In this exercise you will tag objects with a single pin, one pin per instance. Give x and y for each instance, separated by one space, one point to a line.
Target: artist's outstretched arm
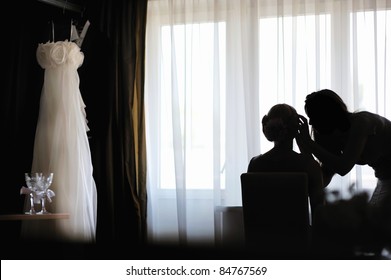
336 163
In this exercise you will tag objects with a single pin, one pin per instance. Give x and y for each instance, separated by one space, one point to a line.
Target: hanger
75 36
74 33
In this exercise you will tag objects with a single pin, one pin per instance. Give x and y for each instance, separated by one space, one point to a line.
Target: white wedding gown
61 146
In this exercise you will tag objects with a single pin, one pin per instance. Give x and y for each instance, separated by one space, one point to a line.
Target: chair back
276 212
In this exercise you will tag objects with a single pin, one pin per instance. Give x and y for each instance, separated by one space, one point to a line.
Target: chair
276 213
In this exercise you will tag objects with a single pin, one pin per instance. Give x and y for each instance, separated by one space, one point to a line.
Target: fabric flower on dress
43 55
75 56
52 54
58 53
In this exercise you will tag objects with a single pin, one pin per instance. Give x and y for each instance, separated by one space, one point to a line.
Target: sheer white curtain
214 68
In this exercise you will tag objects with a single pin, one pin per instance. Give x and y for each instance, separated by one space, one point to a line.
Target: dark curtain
123 151
21 82
112 86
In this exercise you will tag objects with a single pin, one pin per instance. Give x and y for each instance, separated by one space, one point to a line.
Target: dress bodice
54 54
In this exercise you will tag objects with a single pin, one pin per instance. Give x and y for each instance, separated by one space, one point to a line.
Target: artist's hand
304 131
303 137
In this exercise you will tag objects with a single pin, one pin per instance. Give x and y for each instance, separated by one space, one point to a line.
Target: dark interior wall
26 23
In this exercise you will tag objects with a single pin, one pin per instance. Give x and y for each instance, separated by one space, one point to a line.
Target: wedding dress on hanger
61 146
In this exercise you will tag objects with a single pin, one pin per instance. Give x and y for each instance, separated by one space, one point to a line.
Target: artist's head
326 111
281 123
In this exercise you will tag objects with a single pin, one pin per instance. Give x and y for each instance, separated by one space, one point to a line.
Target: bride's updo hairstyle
281 123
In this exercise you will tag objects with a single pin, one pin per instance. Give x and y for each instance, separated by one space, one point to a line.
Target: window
195 97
